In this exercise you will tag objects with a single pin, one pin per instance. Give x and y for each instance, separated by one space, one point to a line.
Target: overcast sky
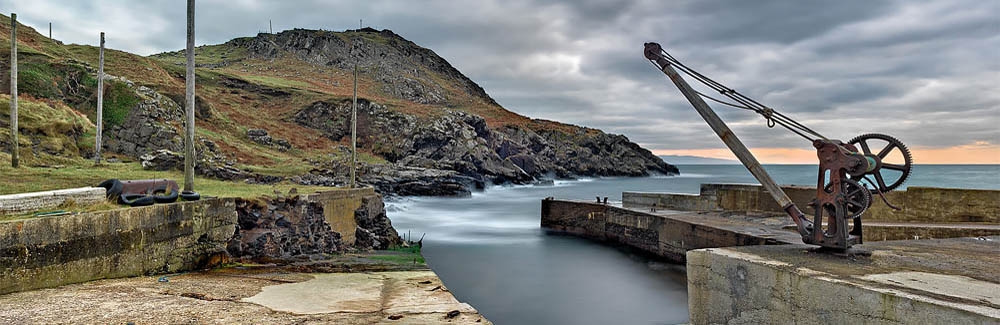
927 72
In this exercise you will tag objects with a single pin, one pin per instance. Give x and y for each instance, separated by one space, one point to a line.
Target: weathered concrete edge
34 201
828 291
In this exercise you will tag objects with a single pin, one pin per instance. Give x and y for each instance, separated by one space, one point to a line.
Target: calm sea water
489 251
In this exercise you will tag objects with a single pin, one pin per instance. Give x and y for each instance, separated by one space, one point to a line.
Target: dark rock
414 181
374 229
282 145
259 136
281 229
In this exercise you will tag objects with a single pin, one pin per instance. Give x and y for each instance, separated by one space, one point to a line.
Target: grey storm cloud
924 71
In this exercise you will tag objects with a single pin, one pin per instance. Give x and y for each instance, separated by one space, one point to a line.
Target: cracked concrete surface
231 296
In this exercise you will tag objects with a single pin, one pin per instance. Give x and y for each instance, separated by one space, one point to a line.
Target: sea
491 253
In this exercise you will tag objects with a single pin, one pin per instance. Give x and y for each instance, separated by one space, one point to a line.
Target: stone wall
163 238
35 201
920 204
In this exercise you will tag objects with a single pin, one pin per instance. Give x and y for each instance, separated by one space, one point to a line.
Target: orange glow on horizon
978 153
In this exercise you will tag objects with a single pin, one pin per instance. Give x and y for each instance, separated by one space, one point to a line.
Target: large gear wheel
857 197
889 173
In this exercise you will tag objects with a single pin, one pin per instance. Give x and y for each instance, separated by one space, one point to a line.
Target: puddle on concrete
391 292
325 293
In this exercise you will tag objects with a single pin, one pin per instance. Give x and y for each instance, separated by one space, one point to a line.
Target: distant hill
695 160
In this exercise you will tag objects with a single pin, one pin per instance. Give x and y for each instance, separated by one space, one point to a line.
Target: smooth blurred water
489 251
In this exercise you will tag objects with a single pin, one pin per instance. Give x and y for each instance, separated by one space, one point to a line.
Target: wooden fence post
189 157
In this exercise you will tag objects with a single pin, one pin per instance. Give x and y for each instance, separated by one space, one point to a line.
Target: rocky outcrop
463 143
147 127
261 137
290 228
162 159
402 68
374 229
415 181
282 228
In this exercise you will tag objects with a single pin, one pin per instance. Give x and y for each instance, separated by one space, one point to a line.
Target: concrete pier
668 225
746 264
947 281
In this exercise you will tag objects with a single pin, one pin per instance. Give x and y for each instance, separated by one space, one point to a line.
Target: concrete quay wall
53 251
919 204
902 282
668 238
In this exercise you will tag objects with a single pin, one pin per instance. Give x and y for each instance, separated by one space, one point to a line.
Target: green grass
78 172
401 255
118 102
38 80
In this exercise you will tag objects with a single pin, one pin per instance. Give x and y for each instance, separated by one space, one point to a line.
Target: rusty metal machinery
849 173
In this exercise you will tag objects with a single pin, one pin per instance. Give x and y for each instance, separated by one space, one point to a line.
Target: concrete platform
941 281
231 296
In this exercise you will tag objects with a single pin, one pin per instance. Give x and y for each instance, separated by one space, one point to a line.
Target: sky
925 72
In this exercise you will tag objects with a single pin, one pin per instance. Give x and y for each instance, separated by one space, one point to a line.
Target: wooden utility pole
100 103
354 124
13 91
189 103
50 31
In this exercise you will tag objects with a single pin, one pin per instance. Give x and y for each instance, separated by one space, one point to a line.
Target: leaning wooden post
189 103
13 91
100 103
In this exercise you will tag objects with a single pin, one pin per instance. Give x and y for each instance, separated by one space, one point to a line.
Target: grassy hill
269 82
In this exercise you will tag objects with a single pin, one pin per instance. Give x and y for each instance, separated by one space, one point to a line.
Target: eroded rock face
147 127
374 229
282 228
293 228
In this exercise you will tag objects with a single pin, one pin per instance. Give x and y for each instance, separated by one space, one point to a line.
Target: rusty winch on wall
849 172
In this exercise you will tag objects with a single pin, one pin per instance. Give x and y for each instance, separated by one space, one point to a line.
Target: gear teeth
907 157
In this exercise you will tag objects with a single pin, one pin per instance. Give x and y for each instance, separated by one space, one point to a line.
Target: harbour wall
666 237
52 251
918 204
667 225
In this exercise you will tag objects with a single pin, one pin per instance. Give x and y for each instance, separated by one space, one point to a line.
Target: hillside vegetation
274 108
